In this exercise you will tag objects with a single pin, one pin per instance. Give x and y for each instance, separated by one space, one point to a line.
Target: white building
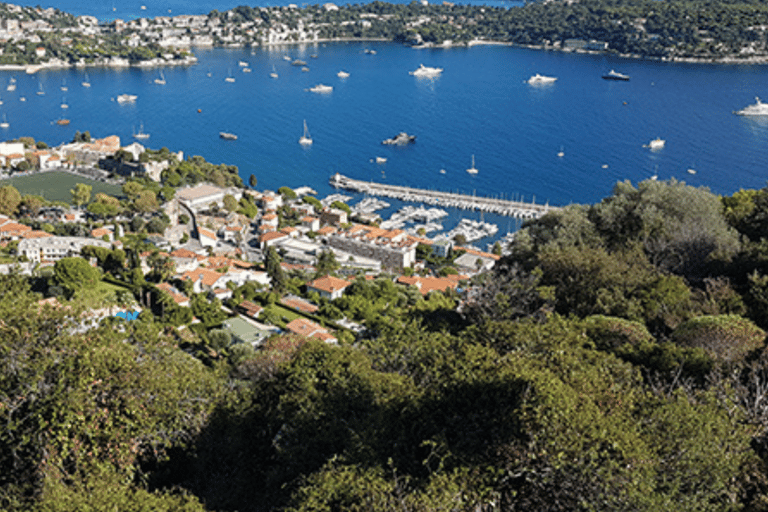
56 248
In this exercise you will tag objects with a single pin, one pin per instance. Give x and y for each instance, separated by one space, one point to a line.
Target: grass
281 312
55 186
101 295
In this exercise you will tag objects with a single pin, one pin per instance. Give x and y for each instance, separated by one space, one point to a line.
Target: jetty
516 209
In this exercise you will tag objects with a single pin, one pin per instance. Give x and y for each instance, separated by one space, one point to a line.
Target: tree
74 274
10 199
326 262
230 203
460 239
146 202
287 193
252 181
81 194
274 270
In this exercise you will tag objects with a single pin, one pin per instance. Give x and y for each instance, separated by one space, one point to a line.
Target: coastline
31 69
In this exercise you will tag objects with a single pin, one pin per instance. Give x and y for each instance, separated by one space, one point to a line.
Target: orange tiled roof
329 284
14 227
205 232
271 235
327 230
301 305
185 253
428 284
479 253
304 327
36 234
208 277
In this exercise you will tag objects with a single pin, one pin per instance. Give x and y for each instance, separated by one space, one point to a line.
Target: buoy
198 111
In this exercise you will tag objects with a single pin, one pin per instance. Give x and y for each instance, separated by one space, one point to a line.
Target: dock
516 209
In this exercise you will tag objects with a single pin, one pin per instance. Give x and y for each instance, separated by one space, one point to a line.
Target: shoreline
115 62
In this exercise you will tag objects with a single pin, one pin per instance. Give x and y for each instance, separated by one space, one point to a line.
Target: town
225 256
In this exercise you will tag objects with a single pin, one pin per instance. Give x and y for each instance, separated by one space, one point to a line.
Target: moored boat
538 79
426 71
400 139
227 136
127 98
615 75
758 109
657 143
342 74
320 88
306 139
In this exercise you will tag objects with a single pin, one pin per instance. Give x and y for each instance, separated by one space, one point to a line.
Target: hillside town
241 251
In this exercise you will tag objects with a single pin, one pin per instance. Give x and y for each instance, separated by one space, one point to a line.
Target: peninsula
695 31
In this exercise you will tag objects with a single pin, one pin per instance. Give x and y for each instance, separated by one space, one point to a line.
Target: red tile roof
329 284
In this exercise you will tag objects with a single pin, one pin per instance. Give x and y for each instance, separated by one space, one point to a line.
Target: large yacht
538 79
342 74
657 143
126 98
615 75
321 88
426 71
758 109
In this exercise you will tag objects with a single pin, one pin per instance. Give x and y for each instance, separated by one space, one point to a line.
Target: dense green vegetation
671 28
616 360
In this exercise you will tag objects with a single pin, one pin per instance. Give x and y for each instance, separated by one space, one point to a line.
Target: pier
516 209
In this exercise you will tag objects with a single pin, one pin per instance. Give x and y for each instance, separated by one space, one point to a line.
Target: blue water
480 106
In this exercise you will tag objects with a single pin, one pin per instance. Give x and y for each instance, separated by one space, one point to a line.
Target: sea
567 142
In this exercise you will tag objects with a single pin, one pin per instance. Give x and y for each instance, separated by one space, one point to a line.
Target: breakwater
516 209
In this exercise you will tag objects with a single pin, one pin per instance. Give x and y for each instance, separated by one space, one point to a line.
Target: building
393 248
57 247
203 195
429 284
328 287
333 216
310 329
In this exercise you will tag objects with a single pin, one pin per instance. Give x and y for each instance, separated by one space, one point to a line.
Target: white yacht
246 70
305 139
229 78
381 160
473 169
286 58
657 143
426 71
64 103
127 98
242 64
161 79
538 79
758 109
40 91
141 134
321 88
342 74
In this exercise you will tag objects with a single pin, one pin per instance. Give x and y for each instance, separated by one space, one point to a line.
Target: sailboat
40 91
64 85
273 74
305 139
64 103
230 78
161 80
141 134
11 84
86 82
5 123
472 170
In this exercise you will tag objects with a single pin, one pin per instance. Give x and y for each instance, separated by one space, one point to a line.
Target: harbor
516 209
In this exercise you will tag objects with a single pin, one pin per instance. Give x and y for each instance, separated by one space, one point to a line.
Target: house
333 217
311 223
299 304
56 247
328 287
310 329
250 309
475 261
441 248
271 238
103 232
203 195
12 231
207 238
270 219
178 297
429 284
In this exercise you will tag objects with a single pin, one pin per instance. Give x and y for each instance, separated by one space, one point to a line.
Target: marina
516 209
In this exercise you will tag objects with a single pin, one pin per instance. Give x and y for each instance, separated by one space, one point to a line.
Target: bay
481 105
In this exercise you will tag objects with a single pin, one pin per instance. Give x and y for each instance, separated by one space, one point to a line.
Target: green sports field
55 186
